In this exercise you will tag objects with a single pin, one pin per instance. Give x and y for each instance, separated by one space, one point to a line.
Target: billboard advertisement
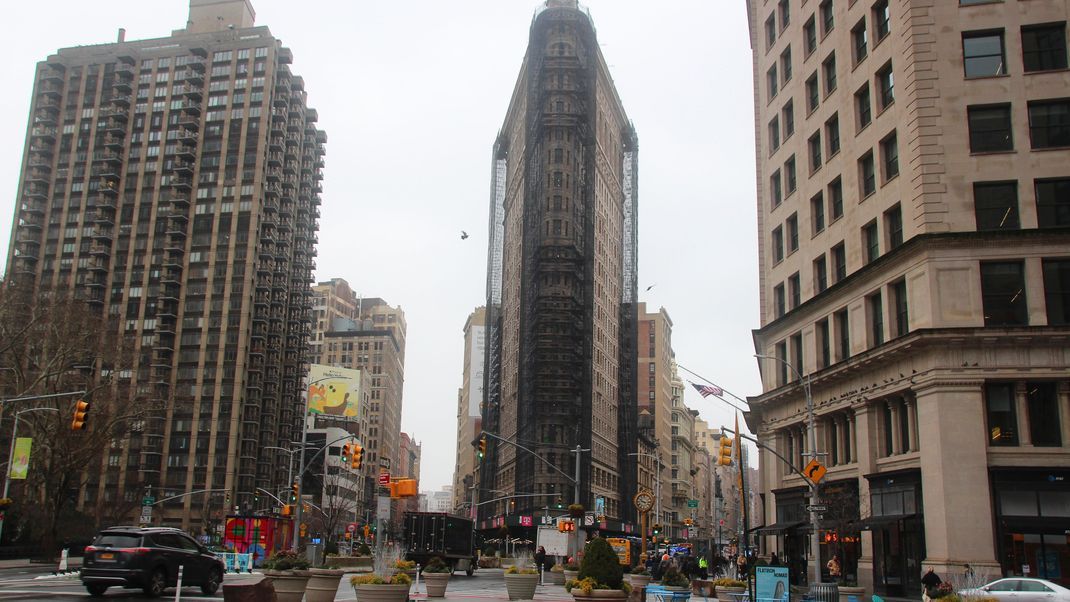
333 391
20 464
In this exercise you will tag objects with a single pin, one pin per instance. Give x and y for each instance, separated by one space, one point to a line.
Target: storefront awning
877 521
778 528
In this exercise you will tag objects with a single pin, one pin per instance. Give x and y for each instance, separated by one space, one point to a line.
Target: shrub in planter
640 569
289 574
364 550
728 582
674 578
285 560
521 578
436 576
600 563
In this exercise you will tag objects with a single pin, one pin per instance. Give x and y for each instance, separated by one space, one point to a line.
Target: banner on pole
333 391
20 463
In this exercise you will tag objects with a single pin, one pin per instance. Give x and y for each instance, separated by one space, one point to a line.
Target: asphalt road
22 584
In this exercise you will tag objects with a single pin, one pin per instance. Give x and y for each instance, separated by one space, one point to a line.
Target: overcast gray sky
412 93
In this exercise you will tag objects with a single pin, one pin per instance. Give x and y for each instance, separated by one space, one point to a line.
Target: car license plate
106 556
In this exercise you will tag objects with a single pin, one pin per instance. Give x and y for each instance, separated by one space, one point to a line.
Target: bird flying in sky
464 235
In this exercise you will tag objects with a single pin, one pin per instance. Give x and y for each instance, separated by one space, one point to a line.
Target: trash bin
314 553
825 592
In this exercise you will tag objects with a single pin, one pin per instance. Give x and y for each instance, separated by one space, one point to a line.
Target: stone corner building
913 180
561 283
174 184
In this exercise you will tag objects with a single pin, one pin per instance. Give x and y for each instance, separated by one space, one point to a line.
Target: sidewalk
21 563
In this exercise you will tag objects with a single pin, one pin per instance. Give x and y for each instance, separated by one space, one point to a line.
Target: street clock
644 501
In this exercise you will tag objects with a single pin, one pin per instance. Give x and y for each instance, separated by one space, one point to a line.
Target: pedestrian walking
930 581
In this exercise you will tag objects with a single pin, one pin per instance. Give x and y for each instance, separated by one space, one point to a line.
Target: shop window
1002 417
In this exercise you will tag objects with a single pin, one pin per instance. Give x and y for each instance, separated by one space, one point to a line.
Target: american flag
707 390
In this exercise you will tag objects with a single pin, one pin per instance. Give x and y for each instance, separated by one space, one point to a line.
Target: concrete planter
554 577
382 593
521 587
847 591
436 584
289 585
600 595
639 580
323 585
571 575
731 594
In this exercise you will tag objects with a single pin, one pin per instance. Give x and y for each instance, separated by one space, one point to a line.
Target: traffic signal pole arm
537 456
805 478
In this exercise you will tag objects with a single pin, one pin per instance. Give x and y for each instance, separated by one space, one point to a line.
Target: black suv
148 558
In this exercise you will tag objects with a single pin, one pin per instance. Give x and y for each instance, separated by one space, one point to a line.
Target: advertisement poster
20 466
771 583
333 391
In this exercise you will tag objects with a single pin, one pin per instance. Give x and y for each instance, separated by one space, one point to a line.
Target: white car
1020 589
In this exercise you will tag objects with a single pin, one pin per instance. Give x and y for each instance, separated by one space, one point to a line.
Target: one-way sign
813 508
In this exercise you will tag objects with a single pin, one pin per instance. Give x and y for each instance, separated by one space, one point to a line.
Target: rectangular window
794 290
821 280
1049 123
1044 47
810 36
902 314
1057 291
867 175
817 213
782 367
996 205
875 309
890 156
832 134
827 22
774 134
886 83
776 192
771 81
785 14
990 128
779 302
1003 293
860 41
790 180
778 244
982 54
893 227
839 262
843 338
796 353
882 18
836 199
1053 202
1002 416
1042 402
793 233
828 68
785 65
813 96
870 242
788 115
770 31
823 343
863 106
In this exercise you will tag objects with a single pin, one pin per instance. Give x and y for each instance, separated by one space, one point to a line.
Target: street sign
588 519
148 500
692 503
815 471
384 478
146 515
813 508
351 527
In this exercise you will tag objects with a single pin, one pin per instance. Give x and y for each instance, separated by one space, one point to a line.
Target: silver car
1020 589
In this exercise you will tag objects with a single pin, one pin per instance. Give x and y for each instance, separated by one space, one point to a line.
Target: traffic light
657 528
81 408
724 455
347 453
482 447
560 504
367 531
358 456
295 489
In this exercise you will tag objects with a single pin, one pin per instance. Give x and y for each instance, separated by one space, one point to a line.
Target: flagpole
736 397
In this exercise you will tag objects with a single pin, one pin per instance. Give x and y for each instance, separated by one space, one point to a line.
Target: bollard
178 586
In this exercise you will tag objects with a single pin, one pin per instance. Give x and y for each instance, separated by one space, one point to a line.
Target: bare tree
339 502
54 345
842 524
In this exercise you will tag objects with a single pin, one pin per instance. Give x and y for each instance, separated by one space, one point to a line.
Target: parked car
1020 589
148 558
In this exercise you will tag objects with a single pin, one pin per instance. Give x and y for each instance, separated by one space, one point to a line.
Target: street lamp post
290 464
815 489
11 453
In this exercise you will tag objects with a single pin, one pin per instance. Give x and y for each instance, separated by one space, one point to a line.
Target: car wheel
211 585
96 590
470 571
157 583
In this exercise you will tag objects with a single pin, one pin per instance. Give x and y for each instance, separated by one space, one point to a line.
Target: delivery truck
451 538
